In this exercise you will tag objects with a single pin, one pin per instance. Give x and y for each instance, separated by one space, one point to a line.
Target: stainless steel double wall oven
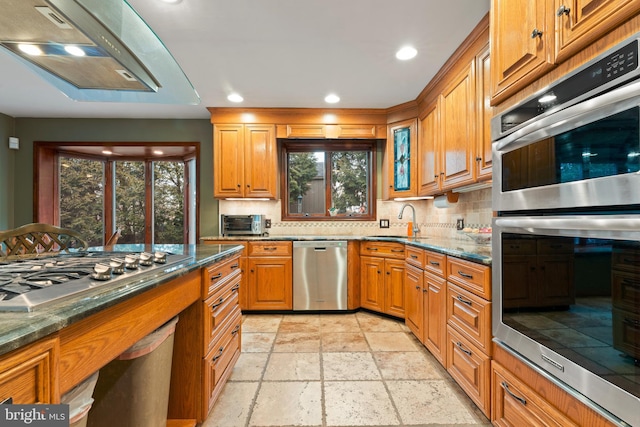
566 240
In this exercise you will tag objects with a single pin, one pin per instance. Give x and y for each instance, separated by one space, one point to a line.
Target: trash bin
133 390
80 400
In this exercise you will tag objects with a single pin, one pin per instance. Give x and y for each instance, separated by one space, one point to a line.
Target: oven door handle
623 227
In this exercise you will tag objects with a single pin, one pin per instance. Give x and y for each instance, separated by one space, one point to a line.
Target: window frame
301 145
46 179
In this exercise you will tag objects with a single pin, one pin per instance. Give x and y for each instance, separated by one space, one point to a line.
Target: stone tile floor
338 370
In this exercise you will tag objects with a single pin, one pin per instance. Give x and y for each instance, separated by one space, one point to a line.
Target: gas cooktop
27 284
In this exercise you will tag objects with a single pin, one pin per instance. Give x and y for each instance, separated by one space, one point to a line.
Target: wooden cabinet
468 313
522 44
529 37
382 272
458 130
539 272
625 292
242 261
221 345
425 299
402 159
515 404
245 161
454 144
30 375
270 280
581 22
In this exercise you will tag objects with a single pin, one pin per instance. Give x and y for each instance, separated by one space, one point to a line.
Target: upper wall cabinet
244 161
521 44
581 22
483 161
529 37
402 156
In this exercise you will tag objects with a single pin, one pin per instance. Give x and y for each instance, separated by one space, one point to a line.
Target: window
150 200
328 180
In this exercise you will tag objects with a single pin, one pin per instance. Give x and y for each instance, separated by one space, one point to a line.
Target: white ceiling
275 53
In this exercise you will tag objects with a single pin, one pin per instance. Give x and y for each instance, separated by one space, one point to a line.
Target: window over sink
328 180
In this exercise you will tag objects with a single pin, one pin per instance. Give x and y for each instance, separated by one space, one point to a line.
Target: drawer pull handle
556 246
436 263
514 246
466 276
414 256
397 250
273 248
235 330
216 277
217 356
510 393
632 322
629 261
372 249
563 10
464 301
220 301
462 349
236 287
234 266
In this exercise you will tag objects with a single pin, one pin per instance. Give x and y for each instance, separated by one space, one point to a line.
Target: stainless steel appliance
243 225
320 275
566 241
29 284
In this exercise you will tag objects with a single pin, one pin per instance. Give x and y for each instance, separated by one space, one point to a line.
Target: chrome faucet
416 229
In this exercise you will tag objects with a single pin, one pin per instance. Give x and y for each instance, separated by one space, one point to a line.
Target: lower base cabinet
471 369
514 404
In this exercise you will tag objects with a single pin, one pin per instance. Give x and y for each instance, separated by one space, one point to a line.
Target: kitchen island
47 352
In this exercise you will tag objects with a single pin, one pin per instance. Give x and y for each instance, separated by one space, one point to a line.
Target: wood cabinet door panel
518 58
483 158
458 130
372 283
394 288
413 281
260 159
29 375
520 272
581 22
407 159
429 151
228 160
270 283
435 315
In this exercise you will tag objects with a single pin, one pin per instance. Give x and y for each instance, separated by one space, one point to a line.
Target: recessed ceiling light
406 52
74 50
158 152
234 97
332 98
107 152
171 1
30 49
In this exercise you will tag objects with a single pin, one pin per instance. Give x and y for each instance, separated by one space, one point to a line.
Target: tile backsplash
473 207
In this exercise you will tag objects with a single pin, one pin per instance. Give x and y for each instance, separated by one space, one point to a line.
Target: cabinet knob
536 33
478 159
563 10
248 185
239 185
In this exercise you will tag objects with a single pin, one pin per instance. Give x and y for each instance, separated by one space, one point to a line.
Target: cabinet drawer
414 256
219 361
626 332
269 248
470 315
555 246
625 259
471 369
519 247
515 404
383 249
218 274
473 277
218 308
625 290
29 375
435 263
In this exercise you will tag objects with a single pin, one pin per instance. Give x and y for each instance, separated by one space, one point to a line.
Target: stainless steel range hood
121 58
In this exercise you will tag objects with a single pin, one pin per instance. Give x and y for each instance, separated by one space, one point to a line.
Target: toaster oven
243 225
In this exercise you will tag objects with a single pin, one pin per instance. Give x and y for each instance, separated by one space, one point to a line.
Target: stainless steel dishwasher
320 275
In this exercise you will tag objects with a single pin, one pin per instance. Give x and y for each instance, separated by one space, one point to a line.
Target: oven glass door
571 287
585 155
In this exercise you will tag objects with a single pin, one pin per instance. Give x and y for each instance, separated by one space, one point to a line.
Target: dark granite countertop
20 328
463 248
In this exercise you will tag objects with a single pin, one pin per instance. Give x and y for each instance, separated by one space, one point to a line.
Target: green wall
120 130
6 173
